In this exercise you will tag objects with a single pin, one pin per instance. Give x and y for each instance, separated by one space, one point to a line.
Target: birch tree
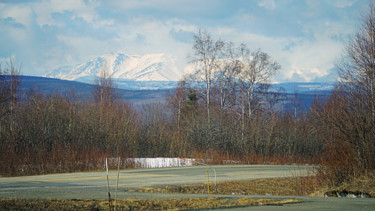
257 68
253 80
225 77
206 57
10 83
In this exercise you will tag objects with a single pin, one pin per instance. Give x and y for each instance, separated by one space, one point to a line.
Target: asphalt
93 185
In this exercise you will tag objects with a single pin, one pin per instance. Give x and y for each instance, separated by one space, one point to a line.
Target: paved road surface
93 185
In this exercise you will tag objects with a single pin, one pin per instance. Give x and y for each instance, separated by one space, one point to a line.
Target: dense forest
225 110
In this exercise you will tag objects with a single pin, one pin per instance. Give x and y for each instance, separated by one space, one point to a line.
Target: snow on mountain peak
149 67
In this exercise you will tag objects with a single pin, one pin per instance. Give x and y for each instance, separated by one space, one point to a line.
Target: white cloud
43 13
139 36
20 14
78 8
308 58
268 4
313 3
170 6
343 3
15 20
312 58
157 38
88 28
181 25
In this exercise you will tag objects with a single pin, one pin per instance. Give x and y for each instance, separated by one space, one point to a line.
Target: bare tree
177 102
256 72
356 71
357 66
206 59
9 87
225 76
104 90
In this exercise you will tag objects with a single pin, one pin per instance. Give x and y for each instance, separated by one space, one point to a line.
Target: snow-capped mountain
150 67
150 71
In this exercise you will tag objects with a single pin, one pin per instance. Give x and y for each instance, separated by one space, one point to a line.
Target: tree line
223 110
42 133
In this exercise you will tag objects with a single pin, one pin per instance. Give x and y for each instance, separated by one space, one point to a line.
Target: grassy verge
363 183
137 204
294 186
304 186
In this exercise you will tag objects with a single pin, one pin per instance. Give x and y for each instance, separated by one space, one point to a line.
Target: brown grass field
290 186
137 204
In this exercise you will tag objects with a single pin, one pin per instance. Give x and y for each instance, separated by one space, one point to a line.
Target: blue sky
305 36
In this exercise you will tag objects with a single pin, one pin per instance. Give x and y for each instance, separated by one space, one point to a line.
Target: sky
306 37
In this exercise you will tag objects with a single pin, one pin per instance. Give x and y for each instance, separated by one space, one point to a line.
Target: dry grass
294 186
137 204
364 184
279 186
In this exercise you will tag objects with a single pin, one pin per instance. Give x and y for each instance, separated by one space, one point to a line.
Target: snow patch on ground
160 162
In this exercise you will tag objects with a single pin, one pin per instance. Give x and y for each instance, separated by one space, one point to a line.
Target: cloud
268 4
86 10
181 35
313 3
310 59
305 58
343 3
305 37
191 7
143 35
12 22
17 14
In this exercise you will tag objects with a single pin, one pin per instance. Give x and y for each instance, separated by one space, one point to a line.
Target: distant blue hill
50 86
137 95
305 87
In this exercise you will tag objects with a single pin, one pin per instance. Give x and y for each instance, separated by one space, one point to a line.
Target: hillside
306 92
50 86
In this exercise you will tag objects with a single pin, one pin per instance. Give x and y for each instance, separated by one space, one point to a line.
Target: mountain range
149 72
123 69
